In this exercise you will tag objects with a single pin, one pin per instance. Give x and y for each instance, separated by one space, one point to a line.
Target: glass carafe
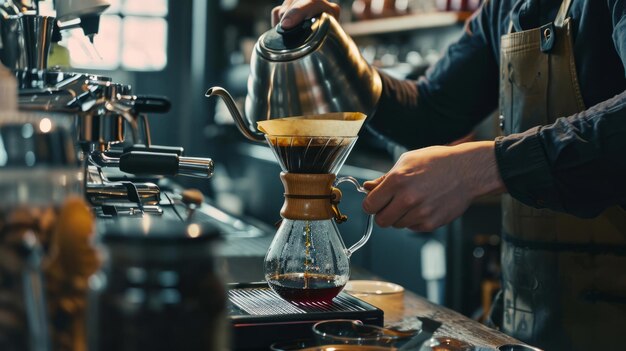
308 261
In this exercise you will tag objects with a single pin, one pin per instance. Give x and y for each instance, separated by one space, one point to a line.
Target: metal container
158 288
313 68
26 40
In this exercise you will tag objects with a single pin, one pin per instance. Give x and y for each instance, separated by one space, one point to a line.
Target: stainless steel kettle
313 68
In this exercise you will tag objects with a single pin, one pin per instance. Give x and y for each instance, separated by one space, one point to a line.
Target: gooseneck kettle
313 68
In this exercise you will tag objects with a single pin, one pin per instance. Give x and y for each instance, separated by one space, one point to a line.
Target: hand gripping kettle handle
370 218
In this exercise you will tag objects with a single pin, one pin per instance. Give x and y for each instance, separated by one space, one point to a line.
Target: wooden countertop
401 310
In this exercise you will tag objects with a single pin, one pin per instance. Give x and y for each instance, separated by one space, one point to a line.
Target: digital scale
259 317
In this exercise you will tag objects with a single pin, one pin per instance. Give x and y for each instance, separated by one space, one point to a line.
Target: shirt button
501 120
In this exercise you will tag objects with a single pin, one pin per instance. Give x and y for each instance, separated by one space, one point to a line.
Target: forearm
406 117
479 166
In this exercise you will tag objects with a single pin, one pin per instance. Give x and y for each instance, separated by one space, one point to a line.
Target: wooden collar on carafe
310 197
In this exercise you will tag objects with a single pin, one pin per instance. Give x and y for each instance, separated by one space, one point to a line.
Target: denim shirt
581 159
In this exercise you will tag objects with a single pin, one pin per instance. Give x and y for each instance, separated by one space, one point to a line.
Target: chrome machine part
195 167
116 192
88 11
26 40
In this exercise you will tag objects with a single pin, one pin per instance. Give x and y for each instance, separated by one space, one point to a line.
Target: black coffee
305 287
314 159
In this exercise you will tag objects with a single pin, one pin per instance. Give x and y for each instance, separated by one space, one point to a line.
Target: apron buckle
548 37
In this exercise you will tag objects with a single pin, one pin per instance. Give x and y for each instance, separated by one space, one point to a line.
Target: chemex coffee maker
307 260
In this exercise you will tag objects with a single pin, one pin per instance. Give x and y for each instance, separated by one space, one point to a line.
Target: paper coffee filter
338 124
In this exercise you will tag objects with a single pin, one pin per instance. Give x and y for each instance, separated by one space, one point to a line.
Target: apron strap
558 21
562 14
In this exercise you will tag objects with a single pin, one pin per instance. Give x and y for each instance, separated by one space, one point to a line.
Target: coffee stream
307 252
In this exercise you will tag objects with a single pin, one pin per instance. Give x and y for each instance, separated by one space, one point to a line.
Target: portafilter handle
141 162
148 103
178 150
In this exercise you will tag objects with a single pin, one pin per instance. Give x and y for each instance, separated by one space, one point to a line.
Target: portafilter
314 68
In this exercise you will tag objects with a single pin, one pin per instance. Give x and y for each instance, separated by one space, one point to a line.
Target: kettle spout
234 112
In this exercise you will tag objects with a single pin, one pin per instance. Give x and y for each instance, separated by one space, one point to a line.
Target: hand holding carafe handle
370 218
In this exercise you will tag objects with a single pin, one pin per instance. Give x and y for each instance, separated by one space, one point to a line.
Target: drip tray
259 317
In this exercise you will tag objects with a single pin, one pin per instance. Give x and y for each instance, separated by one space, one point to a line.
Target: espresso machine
107 113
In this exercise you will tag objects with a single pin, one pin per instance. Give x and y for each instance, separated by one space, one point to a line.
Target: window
132 36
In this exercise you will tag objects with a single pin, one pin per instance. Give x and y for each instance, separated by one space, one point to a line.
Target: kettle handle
370 218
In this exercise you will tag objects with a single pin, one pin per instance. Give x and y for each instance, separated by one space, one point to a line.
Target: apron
564 278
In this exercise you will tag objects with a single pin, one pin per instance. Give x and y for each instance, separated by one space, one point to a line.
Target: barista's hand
292 12
430 187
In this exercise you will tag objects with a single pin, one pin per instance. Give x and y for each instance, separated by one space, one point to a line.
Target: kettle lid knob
280 44
292 37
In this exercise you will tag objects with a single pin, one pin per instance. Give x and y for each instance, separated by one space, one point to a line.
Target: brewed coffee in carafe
308 261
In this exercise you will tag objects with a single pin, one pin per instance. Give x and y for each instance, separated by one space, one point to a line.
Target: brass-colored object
339 124
71 262
334 200
307 196
311 197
